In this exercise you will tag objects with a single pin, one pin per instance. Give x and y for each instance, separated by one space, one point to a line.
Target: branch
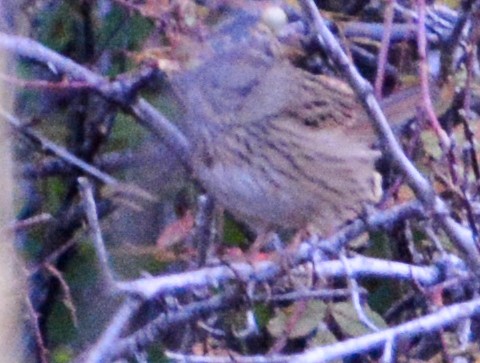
266 271
430 323
101 350
90 208
115 91
69 158
461 236
164 323
57 150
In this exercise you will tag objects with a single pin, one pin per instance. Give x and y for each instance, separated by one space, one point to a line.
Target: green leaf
306 322
322 337
347 319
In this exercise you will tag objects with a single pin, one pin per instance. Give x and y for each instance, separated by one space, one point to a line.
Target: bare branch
112 333
145 113
461 236
92 217
382 57
57 150
443 318
165 322
267 270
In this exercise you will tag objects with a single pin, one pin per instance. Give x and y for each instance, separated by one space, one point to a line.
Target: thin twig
73 160
424 80
164 323
57 150
442 318
204 233
355 294
95 232
461 236
317 294
389 350
382 57
68 299
145 113
42 349
101 350
28 223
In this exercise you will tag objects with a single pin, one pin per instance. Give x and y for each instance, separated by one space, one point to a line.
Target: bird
276 145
